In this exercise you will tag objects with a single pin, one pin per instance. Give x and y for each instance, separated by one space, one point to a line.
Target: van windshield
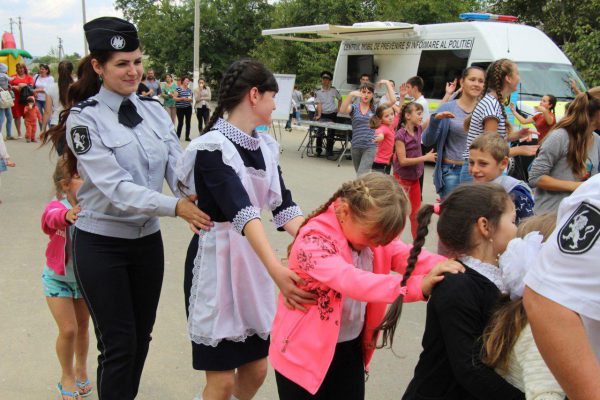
539 79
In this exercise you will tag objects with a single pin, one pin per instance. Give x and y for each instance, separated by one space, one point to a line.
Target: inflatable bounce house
10 55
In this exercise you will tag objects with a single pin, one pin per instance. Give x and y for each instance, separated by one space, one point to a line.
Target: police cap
111 34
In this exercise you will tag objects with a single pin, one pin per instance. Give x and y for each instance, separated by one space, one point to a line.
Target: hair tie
436 208
589 97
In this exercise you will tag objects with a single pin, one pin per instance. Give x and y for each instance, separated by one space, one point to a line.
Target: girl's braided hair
238 80
458 214
495 76
376 201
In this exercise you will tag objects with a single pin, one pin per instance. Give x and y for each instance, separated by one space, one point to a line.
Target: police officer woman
124 147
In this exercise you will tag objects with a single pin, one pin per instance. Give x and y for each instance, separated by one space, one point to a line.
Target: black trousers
121 281
383 168
345 378
332 117
202 114
184 112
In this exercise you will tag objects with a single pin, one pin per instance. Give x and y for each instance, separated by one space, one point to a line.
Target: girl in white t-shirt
41 82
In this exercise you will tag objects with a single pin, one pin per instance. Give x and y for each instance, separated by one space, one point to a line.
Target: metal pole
21 33
196 41
60 49
85 44
11 26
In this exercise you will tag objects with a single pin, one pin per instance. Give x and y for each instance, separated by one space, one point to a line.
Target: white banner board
283 100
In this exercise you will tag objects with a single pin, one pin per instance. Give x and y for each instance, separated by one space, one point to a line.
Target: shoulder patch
581 231
83 104
146 98
80 135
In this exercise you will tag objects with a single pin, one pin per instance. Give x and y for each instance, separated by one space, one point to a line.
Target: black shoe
331 157
187 139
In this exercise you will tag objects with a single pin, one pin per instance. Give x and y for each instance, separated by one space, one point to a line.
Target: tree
229 30
571 24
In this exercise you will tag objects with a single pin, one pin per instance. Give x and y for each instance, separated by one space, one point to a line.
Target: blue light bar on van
487 17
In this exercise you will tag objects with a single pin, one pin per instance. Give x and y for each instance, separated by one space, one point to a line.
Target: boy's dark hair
459 213
491 143
367 75
416 81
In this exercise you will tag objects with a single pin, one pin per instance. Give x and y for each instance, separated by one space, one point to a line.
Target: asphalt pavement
29 369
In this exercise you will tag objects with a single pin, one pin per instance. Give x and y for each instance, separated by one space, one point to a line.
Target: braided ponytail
238 80
390 320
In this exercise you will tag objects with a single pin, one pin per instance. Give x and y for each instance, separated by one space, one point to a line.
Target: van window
437 67
539 79
358 65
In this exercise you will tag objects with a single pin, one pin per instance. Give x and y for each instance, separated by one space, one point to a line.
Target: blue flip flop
74 395
82 385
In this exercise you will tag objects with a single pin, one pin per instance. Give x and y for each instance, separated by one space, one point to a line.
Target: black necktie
128 115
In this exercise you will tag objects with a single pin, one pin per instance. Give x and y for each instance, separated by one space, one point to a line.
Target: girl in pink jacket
62 292
344 253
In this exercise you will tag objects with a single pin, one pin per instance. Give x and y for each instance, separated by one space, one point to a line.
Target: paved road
28 366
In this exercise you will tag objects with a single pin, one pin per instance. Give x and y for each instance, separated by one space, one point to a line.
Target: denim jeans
6 112
451 178
41 105
363 159
464 173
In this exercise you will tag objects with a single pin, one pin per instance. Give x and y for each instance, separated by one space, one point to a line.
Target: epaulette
146 98
83 104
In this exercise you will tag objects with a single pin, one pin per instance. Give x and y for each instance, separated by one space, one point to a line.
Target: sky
43 21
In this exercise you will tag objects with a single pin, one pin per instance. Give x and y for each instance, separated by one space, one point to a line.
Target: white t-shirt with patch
568 271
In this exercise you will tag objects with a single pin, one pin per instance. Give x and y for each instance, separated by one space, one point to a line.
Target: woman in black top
476 223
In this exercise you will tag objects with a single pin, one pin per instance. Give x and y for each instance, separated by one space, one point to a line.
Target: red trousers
413 190
30 129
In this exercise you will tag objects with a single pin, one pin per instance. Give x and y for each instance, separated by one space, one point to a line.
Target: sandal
85 388
73 395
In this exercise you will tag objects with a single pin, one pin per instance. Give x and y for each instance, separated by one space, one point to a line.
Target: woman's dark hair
371 88
45 66
407 109
88 84
238 80
65 79
459 213
552 101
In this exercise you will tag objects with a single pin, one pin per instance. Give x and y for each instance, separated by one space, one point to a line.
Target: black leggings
202 114
345 378
184 112
120 280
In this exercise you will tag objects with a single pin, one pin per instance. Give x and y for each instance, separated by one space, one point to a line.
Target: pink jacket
55 226
303 344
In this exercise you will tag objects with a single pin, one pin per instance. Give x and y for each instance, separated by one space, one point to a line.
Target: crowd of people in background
510 232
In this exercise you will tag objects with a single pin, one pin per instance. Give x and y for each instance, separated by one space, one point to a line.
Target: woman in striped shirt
183 104
502 78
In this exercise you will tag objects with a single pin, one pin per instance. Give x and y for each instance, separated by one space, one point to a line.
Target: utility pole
85 44
61 51
21 33
12 21
196 42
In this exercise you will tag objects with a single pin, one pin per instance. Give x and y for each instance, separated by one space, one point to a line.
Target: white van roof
502 40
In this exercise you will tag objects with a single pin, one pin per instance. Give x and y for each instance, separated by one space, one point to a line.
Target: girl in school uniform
476 222
230 269
409 162
344 253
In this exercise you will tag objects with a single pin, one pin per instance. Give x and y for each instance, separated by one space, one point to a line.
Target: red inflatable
8 41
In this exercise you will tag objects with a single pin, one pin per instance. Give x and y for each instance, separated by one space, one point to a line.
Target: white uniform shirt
568 271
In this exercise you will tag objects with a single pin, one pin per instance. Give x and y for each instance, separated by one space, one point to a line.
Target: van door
437 67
